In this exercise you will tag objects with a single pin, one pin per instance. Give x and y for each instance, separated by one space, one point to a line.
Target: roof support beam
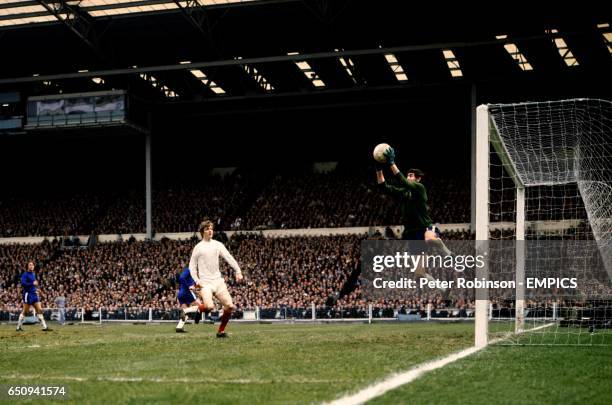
268 59
195 12
197 15
326 11
76 20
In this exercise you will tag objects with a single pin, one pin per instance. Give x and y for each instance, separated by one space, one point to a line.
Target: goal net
544 206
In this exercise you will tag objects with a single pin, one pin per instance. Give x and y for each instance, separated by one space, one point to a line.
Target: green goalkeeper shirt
412 197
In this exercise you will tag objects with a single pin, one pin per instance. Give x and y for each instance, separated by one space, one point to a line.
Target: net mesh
560 153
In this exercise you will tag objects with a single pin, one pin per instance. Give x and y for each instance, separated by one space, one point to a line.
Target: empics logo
551 282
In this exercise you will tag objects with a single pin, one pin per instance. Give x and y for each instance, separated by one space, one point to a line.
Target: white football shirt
204 263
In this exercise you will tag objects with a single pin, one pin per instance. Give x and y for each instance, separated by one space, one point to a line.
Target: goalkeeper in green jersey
412 197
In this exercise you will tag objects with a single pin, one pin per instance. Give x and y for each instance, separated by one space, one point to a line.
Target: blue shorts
30 298
186 297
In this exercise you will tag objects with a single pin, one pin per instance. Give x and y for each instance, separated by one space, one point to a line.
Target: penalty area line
170 380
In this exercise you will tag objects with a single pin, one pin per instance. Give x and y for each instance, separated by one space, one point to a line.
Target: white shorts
219 289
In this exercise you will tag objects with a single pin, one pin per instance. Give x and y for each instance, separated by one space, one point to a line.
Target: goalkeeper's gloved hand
379 166
390 154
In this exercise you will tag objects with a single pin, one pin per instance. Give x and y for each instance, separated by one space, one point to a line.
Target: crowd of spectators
320 200
110 275
44 215
285 272
239 201
125 214
280 272
225 198
292 272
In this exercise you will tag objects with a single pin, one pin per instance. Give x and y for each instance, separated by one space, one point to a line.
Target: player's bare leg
40 316
181 324
421 273
185 310
22 315
432 239
206 296
203 309
194 310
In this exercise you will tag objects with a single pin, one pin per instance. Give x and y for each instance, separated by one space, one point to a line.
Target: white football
379 152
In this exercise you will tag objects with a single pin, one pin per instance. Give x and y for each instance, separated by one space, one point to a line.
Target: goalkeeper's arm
380 177
390 154
414 186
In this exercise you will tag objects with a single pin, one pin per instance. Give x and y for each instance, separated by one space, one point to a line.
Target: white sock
180 324
190 310
42 321
20 321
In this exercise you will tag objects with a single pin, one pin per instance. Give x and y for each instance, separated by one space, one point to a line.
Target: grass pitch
294 363
515 375
257 364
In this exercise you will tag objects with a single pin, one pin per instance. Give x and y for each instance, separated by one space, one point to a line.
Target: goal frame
488 140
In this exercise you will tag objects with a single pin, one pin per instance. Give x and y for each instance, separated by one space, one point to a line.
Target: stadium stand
282 272
342 198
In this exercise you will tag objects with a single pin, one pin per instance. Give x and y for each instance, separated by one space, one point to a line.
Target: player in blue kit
188 299
30 298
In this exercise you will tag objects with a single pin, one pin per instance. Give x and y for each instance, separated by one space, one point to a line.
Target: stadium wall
397 229
542 226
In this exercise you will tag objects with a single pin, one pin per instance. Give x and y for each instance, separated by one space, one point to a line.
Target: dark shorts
186 297
30 298
416 239
420 235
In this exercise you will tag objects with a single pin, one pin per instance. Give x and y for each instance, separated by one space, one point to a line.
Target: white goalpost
544 212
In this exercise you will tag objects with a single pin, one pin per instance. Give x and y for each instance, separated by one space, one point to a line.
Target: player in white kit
204 267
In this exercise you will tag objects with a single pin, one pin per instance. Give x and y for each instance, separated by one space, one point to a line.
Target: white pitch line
396 380
39 377
170 380
538 328
399 379
508 335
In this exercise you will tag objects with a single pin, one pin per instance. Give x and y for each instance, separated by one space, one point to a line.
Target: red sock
225 319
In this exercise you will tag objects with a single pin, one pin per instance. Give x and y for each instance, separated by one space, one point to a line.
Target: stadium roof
22 12
198 51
